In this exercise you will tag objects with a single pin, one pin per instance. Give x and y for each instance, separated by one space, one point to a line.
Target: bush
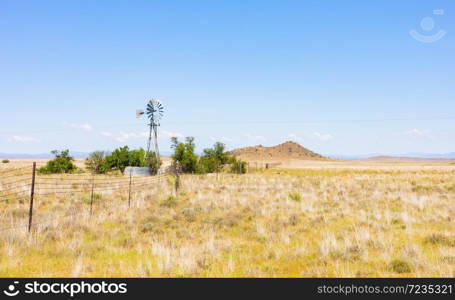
96 162
295 197
123 157
62 163
214 158
400 266
153 162
239 166
5 161
100 162
184 157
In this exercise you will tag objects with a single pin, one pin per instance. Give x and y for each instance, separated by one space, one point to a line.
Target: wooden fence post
177 178
32 195
91 197
129 191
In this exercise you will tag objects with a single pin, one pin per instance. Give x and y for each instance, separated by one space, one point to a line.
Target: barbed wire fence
24 184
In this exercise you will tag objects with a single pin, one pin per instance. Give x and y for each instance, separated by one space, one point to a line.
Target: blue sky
341 77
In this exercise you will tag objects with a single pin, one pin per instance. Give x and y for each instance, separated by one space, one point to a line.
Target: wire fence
22 185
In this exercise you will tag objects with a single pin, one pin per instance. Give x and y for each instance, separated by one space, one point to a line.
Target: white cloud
255 137
223 138
24 139
294 137
125 136
170 134
417 133
323 137
85 127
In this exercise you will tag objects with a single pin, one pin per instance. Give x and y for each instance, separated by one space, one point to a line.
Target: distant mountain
287 150
450 155
74 154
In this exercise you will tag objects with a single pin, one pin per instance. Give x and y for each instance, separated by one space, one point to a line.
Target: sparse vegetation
5 161
239 166
400 266
213 160
184 155
123 157
96 162
295 197
330 220
101 162
153 162
62 163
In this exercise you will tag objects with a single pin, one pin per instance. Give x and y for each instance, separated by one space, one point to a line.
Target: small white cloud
223 138
124 136
106 133
85 127
24 139
255 137
170 134
294 136
418 133
323 137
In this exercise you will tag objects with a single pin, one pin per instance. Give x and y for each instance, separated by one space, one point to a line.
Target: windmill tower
154 112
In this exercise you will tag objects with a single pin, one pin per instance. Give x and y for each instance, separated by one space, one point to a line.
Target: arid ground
299 219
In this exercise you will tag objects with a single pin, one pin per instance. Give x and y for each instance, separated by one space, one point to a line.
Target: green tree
239 166
153 162
123 157
96 162
118 159
62 163
214 158
184 154
137 158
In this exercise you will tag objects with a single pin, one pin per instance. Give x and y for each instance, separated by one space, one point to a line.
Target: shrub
214 158
169 202
239 166
123 157
440 239
96 162
62 163
295 197
400 266
184 156
153 162
5 161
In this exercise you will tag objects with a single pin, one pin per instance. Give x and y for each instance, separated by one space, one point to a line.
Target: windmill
154 112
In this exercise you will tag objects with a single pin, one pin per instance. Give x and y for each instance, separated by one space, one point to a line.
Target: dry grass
327 220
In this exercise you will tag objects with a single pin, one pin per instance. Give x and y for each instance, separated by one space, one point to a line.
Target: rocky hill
287 150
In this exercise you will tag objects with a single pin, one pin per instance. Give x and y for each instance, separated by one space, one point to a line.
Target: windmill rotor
155 110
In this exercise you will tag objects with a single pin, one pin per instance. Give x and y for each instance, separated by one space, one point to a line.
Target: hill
287 150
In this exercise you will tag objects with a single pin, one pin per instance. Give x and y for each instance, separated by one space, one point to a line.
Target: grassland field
302 219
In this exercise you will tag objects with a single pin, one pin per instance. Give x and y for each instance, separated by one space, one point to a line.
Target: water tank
137 171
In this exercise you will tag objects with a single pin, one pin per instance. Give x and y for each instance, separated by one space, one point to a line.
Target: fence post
177 179
129 191
91 197
32 195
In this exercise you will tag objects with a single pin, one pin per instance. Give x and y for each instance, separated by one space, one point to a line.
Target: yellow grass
324 219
